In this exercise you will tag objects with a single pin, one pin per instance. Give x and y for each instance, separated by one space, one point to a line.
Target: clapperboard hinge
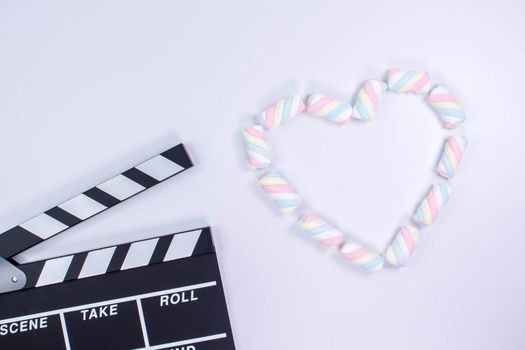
91 202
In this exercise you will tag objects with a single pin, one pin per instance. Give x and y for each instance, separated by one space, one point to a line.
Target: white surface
96 262
43 225
54 271
120 187
82 206
87 89
139 254
182 245
159 167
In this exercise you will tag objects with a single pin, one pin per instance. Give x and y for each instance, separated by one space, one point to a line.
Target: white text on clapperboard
176 298
99 312
94 313
23 326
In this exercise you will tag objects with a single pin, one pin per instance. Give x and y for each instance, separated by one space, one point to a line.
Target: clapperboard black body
160 293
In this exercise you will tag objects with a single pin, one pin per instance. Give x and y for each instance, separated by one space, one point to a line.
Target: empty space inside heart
365 178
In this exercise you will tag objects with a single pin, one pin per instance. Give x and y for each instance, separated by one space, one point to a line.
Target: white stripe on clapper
159 167
139 254
54 271
44 226
82 206
97 262
121 187
182 245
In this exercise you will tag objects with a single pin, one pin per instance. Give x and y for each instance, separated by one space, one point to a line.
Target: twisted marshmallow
326 107
256 146
451 156
361 257
402 246
282 111
367 102
408 81
319 229
446 106
431 205
280 191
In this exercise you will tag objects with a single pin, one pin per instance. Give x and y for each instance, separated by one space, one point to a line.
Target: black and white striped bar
118 258
95 200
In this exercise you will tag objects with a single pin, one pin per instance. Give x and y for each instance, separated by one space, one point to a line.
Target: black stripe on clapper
204 244
63 216
32 272
141 178
76 266
16 240
102 197
178 155
161 249
118 258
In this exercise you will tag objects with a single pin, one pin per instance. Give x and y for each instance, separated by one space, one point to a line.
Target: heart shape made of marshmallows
286 198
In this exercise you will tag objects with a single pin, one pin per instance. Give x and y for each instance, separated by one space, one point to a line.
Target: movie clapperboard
162 293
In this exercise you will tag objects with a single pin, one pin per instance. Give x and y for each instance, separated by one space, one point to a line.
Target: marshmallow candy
408 81
446 106
451 156
326 107
280 191
361 257
256 147
402 246
320 230
367 102
429 208
282 111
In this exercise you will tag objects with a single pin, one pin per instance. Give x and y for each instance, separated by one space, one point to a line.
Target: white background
88 89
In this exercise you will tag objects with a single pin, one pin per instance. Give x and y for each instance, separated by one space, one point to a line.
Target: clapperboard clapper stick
160 293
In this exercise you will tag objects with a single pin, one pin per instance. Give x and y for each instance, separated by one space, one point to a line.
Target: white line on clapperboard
143 323
113 301
64 330
186 342
137 298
